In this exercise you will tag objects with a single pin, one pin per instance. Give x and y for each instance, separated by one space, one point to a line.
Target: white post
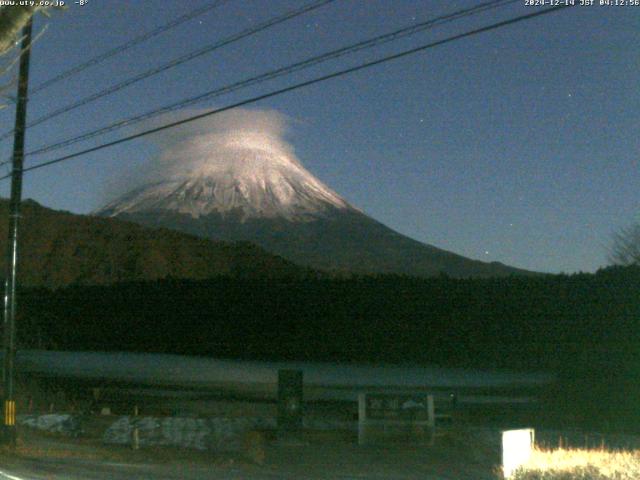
362 417
431 411
135 441
431 415
517 446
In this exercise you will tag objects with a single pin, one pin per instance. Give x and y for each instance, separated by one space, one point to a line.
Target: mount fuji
238 179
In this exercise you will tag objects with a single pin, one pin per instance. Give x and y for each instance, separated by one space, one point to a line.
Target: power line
299 86
376 41
127 45
177 61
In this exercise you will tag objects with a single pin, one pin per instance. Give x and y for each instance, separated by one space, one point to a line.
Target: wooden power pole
9 319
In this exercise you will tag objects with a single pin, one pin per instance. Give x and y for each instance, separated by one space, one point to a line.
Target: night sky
519 145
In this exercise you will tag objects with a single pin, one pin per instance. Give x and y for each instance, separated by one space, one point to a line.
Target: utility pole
9 319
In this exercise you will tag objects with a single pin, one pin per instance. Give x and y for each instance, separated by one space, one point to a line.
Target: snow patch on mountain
240 164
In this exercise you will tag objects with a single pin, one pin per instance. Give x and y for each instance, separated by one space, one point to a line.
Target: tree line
583 327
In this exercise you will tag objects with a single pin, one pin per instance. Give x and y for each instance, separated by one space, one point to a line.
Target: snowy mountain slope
240 180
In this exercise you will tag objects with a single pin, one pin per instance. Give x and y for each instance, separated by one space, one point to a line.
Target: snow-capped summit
252 174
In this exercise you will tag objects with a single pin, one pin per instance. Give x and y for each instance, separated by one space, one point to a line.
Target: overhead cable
175 62
279 72
127 45
300 85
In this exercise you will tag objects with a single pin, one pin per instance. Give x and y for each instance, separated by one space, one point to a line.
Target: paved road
332 458
349 468
83 470
48 470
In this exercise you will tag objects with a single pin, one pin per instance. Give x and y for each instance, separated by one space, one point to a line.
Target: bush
577 473
575 464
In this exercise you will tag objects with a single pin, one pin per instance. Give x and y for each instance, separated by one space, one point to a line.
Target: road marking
10 477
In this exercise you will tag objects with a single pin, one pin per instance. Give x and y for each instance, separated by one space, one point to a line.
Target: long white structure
322 381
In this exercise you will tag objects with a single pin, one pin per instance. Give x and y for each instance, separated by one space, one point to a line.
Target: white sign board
517 446
398 412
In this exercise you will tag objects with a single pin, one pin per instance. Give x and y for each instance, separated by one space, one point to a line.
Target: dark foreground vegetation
584 327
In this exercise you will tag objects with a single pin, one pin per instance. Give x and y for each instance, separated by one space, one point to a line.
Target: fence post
135 441
362 418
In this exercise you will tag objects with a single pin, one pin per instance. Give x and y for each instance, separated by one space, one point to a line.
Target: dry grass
575 464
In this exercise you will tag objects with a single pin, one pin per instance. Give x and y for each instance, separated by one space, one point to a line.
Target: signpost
389 415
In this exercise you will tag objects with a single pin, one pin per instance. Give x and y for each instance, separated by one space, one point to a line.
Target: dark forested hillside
502 322
584 327
60 248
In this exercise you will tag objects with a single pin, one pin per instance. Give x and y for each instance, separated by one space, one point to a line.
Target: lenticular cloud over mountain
235 177
238 163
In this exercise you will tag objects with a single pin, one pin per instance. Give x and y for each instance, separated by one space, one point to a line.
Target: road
66 470
284 463
323 456
87 470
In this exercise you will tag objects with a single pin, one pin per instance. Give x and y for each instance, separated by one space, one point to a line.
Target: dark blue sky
518 145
